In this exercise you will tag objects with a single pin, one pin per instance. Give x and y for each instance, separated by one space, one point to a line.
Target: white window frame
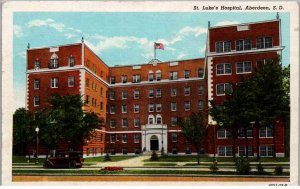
110 110
187 105
150 76
223 69
151 93
112 80
174 117
200 107
112 97
158 75
263 42
158 107
134 122
37 64
54 82
267 150
112 125
124 138
187 74
137 138
36 84
70 80
123 121
241 130
151 107
224 86
124 108
226 151
222 46
227 134
173 106
244 151
243 67
124 78
54 61
36 101
136 108
173 75
266 129
173 90
187 91
157 118
136 94
124 95
158 93
112 138
136 78
71 60
174 137
200 72
200 88
243 44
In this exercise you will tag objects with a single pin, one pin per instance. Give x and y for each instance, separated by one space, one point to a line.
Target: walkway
132 162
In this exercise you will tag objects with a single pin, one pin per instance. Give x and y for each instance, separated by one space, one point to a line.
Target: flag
159 46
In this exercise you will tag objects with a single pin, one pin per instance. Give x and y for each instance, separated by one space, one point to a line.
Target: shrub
214 167
242 166
278 170
260 169
107 157
154 156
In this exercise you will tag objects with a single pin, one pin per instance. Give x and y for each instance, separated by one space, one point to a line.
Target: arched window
158 75
150 75
151 119
54 61
158 119
71 61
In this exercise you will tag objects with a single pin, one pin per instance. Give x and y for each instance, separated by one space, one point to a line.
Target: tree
22 131
194 130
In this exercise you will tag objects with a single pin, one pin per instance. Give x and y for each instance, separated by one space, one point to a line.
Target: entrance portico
154 137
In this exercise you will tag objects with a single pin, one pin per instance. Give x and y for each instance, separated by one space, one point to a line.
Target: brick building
142 103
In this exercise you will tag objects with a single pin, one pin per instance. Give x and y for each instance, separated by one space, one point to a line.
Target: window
112 95
101 91
173 106
200 72
264 42
54 61
124 122
158 93
136 78
112 80
112 109
136 108
87 63
173 92
151 107
265 132
124 78
71 61
242 151
87 101
124 108
187 74
158 119
113 123
136 122
36 101
174 150
124 95
136 94
174 137
173 75
36 84
188 150
200 90
158 107
223 46
150 120
87 83
150 76
151 93
112 138
124 138
224 150
187 105
37 64
242 45
54 82
71 81
223 69
261 63
136 138
158 75
265 151
187 91
249 131
101 105
200 105
87 152
243 67
224 88
223 133
173 121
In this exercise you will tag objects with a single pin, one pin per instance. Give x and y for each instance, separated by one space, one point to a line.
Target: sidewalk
132 162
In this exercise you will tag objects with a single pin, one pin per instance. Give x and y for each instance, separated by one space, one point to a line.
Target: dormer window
37 64
71 61
54 61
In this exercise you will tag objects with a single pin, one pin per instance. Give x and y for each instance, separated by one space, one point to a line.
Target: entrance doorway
153 143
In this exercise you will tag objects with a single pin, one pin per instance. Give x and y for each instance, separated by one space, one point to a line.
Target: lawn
101 159
193 158
23 159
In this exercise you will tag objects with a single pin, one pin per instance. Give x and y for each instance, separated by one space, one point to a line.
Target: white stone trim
173 131
275 48
279 154
27 92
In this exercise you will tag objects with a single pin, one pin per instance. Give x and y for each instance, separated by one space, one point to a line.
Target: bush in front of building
242 166
107 157
154 156
214 167
260 169
278 170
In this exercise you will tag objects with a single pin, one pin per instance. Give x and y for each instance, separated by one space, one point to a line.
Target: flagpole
154 51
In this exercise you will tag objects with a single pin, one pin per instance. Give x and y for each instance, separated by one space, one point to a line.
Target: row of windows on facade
264 132
173 75
241 67
244 44
264 151
54 62
136 121
94 152
151 107
136 138
54 82
158 93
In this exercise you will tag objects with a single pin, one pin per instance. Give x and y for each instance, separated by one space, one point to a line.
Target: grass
160 164
23 159
192 158
137 172
101 159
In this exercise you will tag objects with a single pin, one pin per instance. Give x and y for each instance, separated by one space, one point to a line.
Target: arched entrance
153 143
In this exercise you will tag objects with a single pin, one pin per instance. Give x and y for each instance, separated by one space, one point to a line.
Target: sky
124 38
